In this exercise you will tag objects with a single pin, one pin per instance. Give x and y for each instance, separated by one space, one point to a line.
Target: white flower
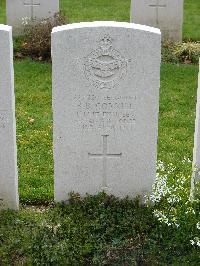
198 225
196 242
160 166
26 21
190 211
186 160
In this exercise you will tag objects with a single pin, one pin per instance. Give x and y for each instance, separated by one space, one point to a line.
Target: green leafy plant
37 37
186 53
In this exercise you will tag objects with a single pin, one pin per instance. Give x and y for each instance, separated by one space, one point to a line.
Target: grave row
166 15
106 78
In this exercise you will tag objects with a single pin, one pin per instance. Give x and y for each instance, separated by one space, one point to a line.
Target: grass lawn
34 131
119 10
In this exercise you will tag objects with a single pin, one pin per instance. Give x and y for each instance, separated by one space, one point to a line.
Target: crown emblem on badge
106 42
105 66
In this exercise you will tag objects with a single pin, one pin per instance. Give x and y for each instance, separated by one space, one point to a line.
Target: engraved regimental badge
105 66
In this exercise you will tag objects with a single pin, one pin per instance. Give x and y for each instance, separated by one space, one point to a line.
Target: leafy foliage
37 40
97 230
187 53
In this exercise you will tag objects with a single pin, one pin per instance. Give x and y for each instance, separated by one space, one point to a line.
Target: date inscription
97 112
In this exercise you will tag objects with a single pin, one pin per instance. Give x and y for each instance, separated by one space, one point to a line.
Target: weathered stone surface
166 15
106 78
196 150
21 11
8 157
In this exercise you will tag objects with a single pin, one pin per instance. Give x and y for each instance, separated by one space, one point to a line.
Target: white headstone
8 154
166 15
106 78
196 150
19 11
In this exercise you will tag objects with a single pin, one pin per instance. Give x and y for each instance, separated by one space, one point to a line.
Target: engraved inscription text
104 112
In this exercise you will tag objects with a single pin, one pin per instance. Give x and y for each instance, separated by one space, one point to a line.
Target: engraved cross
105 155
157 6
32 4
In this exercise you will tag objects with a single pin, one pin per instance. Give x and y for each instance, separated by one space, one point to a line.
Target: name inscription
104 112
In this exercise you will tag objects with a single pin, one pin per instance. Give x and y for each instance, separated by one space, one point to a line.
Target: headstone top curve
167 15
5 27
105 24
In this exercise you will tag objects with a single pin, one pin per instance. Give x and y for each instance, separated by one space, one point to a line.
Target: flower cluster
172 203
164 219
26 21
198 225
163 188
195 242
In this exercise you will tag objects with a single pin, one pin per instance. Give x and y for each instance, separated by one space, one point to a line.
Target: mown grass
34 130
177 112
191 29
119 10
94 10
3 12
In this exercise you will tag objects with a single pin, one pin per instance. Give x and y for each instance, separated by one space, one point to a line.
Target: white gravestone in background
196 150
166 15
31 10
106 78
8 154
